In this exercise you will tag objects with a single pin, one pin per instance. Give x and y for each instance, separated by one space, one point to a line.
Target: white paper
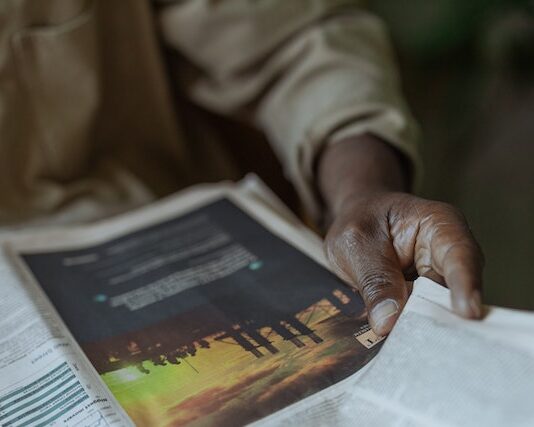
435 369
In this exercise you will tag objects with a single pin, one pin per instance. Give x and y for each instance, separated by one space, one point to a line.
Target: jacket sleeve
306 72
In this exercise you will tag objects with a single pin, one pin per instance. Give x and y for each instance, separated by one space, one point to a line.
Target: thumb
365 257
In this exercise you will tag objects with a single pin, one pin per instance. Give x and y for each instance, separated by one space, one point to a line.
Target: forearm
358 166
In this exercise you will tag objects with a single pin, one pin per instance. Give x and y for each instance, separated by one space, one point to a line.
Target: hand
381 236
378 241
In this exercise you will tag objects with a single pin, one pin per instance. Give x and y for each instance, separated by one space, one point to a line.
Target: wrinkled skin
381 236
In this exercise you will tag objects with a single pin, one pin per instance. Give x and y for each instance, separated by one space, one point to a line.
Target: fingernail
382 314
469 307
475 302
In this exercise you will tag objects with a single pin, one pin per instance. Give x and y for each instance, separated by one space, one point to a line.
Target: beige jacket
92 94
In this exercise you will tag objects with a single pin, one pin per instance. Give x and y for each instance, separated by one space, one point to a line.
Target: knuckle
444 221
373 284
330 247
357 233
447 210
345 241
335 257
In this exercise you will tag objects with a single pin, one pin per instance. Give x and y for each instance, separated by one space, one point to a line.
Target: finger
366 256
457 257
462 270
435 277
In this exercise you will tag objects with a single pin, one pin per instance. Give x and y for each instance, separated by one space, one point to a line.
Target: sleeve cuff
393 126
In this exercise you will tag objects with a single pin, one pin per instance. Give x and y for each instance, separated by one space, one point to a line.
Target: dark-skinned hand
381 236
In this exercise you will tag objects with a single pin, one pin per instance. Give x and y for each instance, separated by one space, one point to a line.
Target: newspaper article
202 315
44 380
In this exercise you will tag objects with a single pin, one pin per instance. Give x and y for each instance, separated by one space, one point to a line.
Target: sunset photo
229 378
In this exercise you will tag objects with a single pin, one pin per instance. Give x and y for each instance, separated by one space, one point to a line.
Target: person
94 119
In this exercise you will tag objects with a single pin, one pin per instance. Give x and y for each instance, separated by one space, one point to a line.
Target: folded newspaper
215 307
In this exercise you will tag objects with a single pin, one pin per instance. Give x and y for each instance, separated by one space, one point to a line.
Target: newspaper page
435 369
44 379
203 309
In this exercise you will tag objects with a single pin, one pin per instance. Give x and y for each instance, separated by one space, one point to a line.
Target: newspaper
216 307
435 369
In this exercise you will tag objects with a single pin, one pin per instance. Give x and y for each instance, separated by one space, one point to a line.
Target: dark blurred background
468 72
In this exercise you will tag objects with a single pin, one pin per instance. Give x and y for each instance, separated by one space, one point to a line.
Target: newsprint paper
215 307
